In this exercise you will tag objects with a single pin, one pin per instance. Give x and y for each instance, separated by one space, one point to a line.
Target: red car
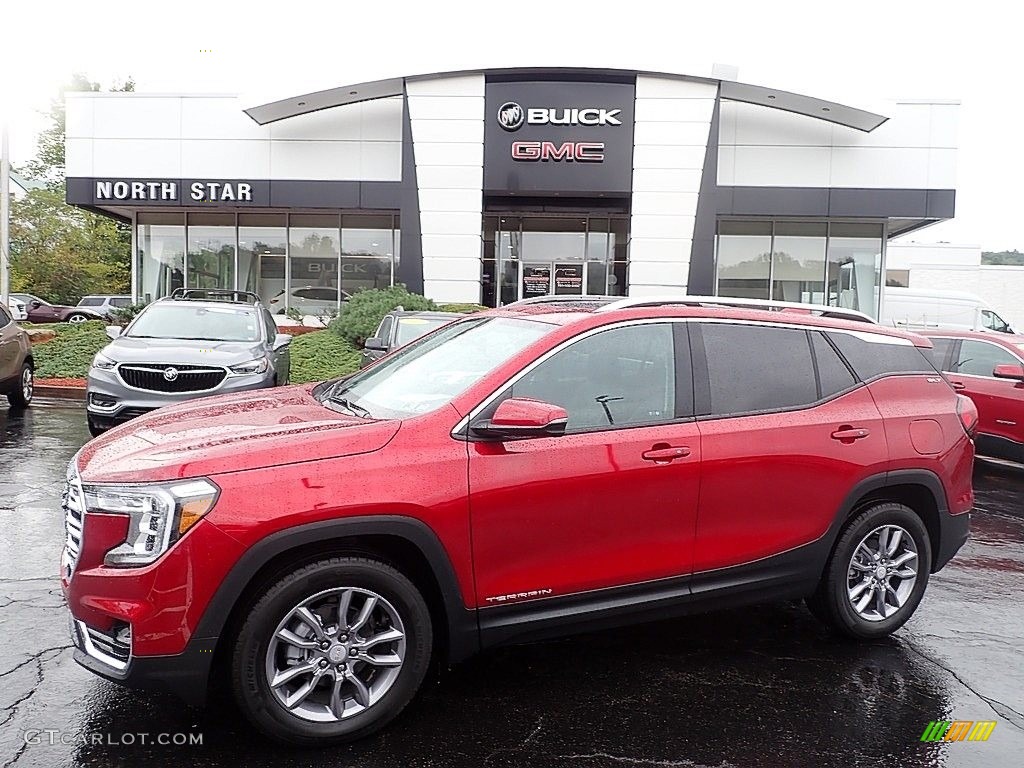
521 473
989 369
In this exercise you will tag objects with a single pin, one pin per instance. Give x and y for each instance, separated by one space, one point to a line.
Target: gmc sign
570 151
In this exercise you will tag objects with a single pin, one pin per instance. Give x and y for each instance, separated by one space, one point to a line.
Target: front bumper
110 401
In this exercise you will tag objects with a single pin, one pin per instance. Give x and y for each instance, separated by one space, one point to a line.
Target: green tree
58 251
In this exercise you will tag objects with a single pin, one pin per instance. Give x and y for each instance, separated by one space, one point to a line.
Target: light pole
5 217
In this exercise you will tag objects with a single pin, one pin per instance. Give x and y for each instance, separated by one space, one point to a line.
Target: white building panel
661 156
658 273
78 117
449 111
220 159
671 225
691 134
137 117
665 203
78 157
782 166
756 125
902 168
380 161
663 250
218 117
338 160
138 158
675 110
381 119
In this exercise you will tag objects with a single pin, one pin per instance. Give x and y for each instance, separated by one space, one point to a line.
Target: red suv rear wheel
877 574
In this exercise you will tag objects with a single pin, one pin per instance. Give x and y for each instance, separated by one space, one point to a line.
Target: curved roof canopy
840 114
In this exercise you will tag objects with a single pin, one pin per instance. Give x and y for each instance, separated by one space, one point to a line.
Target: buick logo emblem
511 116
170 374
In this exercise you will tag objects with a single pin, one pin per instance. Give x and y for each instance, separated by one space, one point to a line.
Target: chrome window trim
465 421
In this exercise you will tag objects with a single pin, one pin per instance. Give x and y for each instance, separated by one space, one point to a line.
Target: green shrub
465 309
70 352
124 315
361 314
322 355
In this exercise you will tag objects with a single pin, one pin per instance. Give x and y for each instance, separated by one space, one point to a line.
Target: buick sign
511 116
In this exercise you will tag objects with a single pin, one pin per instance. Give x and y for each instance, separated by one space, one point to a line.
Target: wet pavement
756 687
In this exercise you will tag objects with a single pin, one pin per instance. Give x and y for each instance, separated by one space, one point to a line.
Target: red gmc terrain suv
521 473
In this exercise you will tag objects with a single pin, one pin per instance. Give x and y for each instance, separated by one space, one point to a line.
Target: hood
230 433
127 349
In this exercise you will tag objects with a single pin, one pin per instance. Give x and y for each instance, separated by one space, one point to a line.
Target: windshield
180 321
424 376
411 328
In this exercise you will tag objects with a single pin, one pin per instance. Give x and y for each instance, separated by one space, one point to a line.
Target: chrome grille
160 377
73 506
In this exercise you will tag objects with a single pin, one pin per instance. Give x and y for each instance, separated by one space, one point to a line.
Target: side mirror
1009 371
113 331
282 340
375 344
520 417
34 304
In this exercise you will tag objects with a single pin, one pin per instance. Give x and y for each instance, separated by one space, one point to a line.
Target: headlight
103 362
259 365
158 515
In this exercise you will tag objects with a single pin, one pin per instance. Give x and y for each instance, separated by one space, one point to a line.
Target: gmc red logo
570 151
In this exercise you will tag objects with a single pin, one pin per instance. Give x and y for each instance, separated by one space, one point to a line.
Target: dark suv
400 327
520 473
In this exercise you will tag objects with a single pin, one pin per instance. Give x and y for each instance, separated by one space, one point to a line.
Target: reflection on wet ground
757 687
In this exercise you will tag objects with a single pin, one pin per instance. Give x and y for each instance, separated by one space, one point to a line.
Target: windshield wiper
344 402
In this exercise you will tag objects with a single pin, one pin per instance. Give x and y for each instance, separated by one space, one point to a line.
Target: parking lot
756 687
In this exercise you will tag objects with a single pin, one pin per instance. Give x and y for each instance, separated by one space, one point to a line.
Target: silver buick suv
195 343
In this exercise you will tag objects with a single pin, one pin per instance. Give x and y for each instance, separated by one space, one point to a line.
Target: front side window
91 301
755 368
384 331
994 322
979 358
621 377
121 302
174 321
433 370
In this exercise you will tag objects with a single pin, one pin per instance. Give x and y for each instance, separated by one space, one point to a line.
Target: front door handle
663 454
847 434
958 385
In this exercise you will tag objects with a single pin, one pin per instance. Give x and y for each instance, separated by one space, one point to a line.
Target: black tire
94 429
831 603
249 677
17 397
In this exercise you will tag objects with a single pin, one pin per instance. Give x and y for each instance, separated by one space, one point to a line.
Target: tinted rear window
884 357
940 352
833 375
757 368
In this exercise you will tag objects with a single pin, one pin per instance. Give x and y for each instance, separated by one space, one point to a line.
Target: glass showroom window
262 250
798 262
314 245
367 252
854 266
211 251
744 258
160 260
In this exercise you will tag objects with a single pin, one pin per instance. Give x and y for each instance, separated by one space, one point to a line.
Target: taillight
968 413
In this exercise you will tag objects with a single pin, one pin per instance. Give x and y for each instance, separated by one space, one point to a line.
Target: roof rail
820 310
214 294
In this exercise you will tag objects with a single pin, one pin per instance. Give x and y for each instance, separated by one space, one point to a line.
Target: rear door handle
958 385
663 455
849 434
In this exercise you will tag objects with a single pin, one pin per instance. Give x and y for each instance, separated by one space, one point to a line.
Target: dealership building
494 185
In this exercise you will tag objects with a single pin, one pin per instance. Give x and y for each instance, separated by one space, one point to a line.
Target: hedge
322 355
362 313
69 353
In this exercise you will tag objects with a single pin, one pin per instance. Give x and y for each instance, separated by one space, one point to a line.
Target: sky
864 54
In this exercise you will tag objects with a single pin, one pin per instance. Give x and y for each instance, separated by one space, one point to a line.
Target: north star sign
169 191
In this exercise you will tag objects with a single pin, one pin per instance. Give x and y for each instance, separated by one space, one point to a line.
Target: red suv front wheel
332 652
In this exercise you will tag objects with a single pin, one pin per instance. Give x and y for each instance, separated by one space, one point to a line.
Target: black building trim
836 202
410 264
701 280
265 193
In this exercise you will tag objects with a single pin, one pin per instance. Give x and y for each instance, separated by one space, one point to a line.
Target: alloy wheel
335 654
27 384
882 573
